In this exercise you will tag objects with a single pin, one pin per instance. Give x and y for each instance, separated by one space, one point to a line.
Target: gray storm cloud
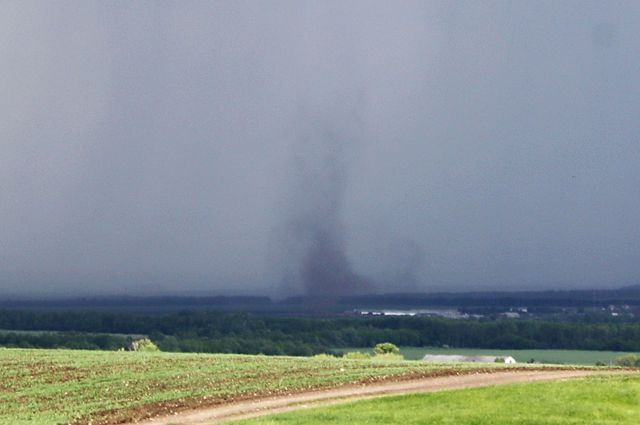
294 147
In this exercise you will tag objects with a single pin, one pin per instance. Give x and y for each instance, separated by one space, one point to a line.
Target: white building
441 358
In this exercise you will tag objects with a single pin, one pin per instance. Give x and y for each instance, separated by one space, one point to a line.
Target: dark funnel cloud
314 232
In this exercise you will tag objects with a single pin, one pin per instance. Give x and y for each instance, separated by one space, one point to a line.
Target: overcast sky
281 147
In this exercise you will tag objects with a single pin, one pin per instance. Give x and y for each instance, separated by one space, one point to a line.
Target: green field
594 400
577 357
60 386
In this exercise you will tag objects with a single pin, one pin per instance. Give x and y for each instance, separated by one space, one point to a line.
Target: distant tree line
71 340
204 331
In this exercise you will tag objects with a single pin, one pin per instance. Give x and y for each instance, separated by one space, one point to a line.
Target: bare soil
242 409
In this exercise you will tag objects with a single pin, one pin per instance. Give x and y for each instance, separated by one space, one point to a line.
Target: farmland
62 386
578 357
593 400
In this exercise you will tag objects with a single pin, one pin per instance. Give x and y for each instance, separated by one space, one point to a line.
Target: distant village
623 310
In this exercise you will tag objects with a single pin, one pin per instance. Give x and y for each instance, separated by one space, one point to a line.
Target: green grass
594 400
578 357
59 386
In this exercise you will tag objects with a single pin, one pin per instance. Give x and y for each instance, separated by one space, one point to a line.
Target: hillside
39 387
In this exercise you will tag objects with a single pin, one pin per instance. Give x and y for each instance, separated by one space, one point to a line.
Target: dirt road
252 408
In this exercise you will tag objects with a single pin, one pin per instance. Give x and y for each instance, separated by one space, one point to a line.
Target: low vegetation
356 355
40 387
630 360
594 400
144 344
576 357
386 348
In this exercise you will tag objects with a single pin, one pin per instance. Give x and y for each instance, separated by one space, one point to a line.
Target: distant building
441 358
447 313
